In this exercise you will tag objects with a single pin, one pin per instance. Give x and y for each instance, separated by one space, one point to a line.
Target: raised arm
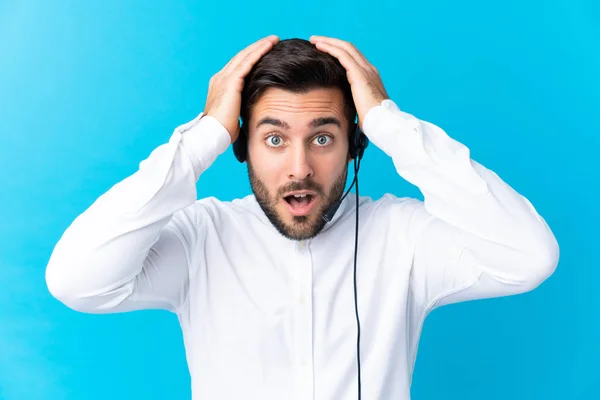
473 236
134 247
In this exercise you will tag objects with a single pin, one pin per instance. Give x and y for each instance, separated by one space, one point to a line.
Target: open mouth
300 204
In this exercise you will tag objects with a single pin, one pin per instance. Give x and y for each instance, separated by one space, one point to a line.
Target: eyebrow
315 123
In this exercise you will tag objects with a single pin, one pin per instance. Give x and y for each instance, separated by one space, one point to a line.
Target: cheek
329 173
268 170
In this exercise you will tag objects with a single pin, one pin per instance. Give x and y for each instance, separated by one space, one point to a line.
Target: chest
271 288
282 313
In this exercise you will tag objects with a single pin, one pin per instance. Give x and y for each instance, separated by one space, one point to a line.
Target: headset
358 142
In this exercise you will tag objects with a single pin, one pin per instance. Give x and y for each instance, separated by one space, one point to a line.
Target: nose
300 165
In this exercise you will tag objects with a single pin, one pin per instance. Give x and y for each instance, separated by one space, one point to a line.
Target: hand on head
225 87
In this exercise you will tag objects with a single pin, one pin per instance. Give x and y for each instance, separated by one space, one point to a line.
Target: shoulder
392 205
214 209
406 213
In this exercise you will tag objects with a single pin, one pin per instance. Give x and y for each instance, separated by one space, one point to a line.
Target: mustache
303 185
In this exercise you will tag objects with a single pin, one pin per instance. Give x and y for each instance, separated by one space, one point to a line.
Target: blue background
89 89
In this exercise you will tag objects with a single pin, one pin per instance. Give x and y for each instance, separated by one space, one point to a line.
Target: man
263 286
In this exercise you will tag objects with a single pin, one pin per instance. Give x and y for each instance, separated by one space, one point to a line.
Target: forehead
299 106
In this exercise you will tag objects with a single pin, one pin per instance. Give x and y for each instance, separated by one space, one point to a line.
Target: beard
305 226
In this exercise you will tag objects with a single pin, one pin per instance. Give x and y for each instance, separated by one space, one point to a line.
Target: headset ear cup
352 143
358 142
240 146
363 144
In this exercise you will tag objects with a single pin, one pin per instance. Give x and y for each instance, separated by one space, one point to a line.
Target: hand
366 84
224 97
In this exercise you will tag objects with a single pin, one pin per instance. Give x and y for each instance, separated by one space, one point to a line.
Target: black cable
350 188
328 216
356 167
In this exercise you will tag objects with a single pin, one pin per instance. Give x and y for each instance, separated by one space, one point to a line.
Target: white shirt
264 317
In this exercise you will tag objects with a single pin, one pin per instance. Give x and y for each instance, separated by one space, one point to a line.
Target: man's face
298 157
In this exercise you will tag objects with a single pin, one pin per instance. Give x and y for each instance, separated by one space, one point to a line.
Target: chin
302 226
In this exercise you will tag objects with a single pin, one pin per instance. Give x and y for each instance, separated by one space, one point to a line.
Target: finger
347 61
244 67
241 56
349 47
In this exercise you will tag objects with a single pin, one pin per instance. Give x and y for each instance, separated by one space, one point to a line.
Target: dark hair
296 65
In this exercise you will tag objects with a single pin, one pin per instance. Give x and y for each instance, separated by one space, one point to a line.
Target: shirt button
303 299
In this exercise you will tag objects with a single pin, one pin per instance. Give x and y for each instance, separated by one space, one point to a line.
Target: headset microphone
328 216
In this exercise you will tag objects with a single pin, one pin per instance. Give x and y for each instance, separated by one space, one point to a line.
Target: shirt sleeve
133 247
473 236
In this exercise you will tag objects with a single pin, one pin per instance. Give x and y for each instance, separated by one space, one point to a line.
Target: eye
274 141
323 140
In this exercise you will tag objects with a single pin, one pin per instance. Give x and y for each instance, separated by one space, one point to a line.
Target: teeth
299 195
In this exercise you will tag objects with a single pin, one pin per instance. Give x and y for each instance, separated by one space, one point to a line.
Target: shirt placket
304 323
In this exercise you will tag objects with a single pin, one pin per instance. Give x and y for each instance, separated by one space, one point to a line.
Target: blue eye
322 140
274 141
